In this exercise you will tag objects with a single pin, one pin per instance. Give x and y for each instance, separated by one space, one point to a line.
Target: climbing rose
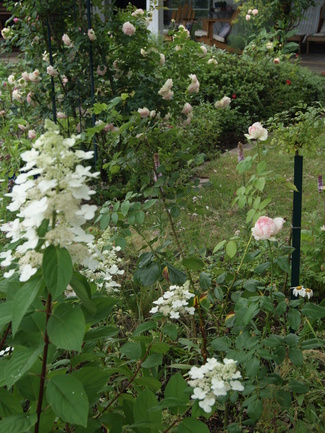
223 103
144 112
91 35
266 228
276 61
66 40
128 28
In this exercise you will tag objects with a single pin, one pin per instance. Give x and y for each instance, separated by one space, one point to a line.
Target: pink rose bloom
204 50
165 91
91 35
16 20
248 17
223 103
255 12
22 127
276 61
128 28
29 97
249 11
66 40
266 228
257 132
32 134
187 108
138 12
34 76
2 113
25 76
51 71
144 112
17 96
101 70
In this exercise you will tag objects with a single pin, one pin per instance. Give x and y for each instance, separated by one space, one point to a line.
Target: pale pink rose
34 76
138 12
16 20
17 96
66 40
162 59
29 97
249 11
22 127
51 71
257 132
128 28
165 91
32 134
91 35
61 115
181 28
101 70
187 108
11 80
153 113
194 87
223 103
248 17
2 113
204 50
266 228
188 120
64 79
143 52
212 62
255 12
144 112
276 61
25 76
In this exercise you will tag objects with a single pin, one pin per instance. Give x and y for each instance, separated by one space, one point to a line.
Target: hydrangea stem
44 363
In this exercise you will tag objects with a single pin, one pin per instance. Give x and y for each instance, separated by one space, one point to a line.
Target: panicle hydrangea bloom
51 187
302 291
101 264
174 302
212 380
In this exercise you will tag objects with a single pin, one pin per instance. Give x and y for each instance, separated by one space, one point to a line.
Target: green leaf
177 387
142 413
294 318
66 327
283 398
93 379
255 410
148 275
193 263
251 311
231 249
283 263
21 361
5 313
24 297
176 276
313 311
205 280
68 399
149 203
170 330
152 360
261 268
219 246
19 423
139 217
9 405
298 387
82 289
296 356
192 425
221 344
57 269
250 215
125 206
143 327
148 382
131 350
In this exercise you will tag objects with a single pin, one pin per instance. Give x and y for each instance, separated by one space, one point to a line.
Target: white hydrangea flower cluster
174 302
101 263
51 187
212 380
302 291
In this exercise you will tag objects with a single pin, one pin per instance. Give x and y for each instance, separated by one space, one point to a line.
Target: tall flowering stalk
48 197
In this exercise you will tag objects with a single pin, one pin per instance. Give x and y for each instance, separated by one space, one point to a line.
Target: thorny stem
140 362
44 362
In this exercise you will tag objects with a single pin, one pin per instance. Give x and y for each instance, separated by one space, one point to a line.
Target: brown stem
44 363
177 420
5 335
125 387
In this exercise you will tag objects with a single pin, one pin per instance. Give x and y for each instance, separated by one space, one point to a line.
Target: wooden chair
184 15
219 39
